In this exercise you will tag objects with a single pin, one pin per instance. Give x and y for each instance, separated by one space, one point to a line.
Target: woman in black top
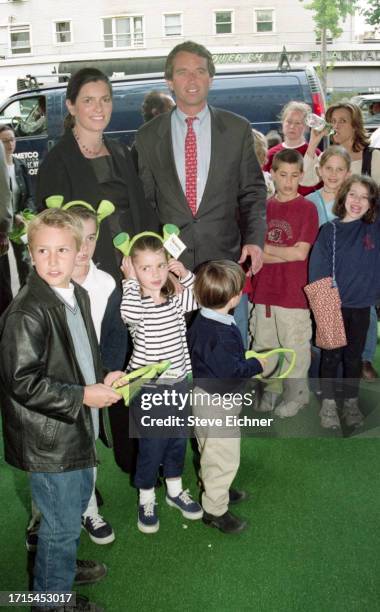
85 165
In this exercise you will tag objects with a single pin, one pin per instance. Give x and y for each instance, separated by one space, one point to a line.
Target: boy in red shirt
281 315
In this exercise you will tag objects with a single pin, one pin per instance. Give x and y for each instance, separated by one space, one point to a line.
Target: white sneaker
266 403
288 409
329 414
351 412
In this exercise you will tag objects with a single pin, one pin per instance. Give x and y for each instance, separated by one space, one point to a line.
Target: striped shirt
158 330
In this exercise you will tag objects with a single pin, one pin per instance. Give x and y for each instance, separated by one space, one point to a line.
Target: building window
223 22
264 20
123 32
20 40
62 32
172 24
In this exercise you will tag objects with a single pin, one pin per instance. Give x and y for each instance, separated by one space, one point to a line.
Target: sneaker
351 412
369 373
227 523
288 409
266 403
184 502
98 529
329 414
147 518
235 496
89 572
31 539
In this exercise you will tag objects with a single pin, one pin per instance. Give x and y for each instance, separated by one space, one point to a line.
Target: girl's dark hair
75 84
339 208
361 138
151 243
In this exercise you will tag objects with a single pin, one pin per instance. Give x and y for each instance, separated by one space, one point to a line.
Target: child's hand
178 287
112 376
100 396
127 268
177 268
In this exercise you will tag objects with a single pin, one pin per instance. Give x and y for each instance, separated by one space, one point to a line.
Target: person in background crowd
261 150
273 138
155 103
200 171
347 121
293 117
357 260
21 196
5 225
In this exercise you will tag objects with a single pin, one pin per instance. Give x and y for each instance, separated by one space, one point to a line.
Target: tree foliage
372 13
329 13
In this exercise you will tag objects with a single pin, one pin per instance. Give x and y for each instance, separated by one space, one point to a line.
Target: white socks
146 496
174 486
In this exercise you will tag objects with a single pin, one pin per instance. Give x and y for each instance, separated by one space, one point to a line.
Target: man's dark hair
6 128
189 47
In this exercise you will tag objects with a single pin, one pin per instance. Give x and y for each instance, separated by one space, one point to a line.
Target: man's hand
256 254
100 396
4 244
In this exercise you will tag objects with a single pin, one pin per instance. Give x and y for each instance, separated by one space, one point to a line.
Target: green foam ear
122 242
105 209
54 201
170 229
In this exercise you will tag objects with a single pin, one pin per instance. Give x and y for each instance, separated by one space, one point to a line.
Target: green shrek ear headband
105 208
18 234
133 381
277 351
124 243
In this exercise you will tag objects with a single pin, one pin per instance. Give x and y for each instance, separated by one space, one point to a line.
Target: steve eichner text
171 398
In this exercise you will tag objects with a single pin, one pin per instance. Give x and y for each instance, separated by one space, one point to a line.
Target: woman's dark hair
151 243
7 128
361 138
339 208
75 84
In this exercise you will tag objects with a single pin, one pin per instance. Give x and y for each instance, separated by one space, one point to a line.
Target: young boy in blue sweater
217 357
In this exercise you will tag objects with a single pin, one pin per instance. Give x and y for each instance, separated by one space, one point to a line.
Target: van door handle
50 144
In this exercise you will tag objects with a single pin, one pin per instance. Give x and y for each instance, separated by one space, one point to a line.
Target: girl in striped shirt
156 318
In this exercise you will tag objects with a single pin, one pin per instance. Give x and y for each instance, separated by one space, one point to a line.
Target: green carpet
313 543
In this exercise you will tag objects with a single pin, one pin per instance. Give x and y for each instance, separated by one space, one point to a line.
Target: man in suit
5 225
200 171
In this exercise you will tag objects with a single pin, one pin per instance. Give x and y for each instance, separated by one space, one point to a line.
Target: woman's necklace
86 149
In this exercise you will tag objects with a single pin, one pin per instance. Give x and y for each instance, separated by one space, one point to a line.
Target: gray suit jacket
233 207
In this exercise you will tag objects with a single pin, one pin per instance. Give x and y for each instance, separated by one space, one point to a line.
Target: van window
27 116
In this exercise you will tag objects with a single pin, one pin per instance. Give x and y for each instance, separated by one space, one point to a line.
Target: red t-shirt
281 284
301 149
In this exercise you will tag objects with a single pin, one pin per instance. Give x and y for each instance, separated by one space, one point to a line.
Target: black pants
356 322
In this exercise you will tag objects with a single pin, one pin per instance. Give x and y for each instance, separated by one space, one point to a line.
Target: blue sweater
217 352
357 261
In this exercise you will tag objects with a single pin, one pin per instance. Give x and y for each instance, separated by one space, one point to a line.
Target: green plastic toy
135 380
17 234
124 242
276 351
105 208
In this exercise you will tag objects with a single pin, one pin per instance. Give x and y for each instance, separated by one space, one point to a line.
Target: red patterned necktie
191 165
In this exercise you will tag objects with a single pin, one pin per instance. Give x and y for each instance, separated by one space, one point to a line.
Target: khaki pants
219 448
288 328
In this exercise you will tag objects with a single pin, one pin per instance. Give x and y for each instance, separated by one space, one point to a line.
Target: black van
259 95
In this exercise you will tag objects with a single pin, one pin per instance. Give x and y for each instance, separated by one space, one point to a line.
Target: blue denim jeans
371 340
61 498
241 318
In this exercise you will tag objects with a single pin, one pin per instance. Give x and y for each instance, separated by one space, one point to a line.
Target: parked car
370 107
259 95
